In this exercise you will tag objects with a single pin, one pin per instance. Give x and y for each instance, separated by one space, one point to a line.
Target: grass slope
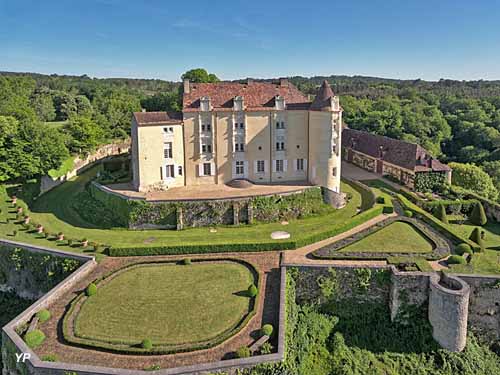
188 304
56 212
398 237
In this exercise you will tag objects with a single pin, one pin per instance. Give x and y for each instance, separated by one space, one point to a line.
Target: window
280 125
334 148
168 130
239 125
334 171
167 151
300 164
206 128
279 166
169 171
207 169
239 147
260 166
240 167
206 148
280 146
179 170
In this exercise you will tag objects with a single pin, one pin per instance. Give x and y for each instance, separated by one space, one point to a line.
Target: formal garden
164 307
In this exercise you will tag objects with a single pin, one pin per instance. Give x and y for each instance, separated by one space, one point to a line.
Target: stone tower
325 131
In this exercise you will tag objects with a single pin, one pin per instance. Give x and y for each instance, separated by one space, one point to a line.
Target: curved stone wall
448 311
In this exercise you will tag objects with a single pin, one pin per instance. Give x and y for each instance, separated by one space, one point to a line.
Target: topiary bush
186 261
476 237
49 358
381 200
440 213
463 248
252 291
243 352
43 315
408 213
147 344
478 216
34 338
91 290
456 259
267 330
388 210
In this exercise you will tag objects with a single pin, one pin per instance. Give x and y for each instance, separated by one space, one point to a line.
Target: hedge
246 247
157 349
436 223
421 263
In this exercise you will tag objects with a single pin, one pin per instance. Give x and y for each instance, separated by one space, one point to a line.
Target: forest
46 118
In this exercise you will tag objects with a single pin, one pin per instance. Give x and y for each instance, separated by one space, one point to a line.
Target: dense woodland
44 119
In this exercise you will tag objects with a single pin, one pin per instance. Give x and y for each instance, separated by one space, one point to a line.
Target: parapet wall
448 311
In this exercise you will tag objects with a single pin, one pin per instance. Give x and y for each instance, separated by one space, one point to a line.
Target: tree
44 107
472 177
85 135
440 213
200 75
476 237
168 101
478 216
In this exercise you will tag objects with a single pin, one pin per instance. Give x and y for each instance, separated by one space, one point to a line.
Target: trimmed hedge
267 330
456 259
420 263
34 338
388 210
91 290
43 315
252 291
247 247
436 223
478 216
463 248
157 349
147 344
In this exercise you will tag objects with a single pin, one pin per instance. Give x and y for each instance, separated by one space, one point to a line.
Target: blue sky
425 39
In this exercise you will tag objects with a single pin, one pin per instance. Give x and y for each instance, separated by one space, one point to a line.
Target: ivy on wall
429 181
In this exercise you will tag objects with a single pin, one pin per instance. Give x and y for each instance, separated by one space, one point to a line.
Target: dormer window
238 103
206 127
280 125
205 104
280 103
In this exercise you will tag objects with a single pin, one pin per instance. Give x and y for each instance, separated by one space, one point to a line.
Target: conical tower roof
322 100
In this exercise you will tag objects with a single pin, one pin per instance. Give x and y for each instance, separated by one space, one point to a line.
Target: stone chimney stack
283 82
187 88
249 81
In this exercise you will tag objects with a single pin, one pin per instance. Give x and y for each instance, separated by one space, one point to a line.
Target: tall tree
200 75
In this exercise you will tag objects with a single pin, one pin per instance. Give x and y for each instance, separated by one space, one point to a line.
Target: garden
55 220
164 307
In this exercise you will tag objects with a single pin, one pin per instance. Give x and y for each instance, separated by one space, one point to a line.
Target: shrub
243 352
388 210
43 315
408 213
34 338
267 330
14 233
252 291
381 200
478 216
463 248
91 290
49 358
152 368
440 213
476 237
456 259
70 242
266 348
186 261
147 344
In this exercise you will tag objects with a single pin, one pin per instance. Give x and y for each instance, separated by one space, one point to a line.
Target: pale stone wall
448 311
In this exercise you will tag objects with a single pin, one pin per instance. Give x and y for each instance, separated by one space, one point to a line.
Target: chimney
283 82
249 81
187 88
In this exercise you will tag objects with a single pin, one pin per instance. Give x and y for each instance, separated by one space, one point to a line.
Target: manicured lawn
398 237
55 211
486 263
169 304
492 233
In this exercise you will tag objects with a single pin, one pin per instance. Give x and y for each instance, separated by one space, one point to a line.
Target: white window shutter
200 170
266 166
212 169
245 169
234 169
285 165
255 170
305 165
295 165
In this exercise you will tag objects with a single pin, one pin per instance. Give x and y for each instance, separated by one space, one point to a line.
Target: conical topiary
478 216
476 237
440 213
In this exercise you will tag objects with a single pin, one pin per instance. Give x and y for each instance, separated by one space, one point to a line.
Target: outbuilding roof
158 118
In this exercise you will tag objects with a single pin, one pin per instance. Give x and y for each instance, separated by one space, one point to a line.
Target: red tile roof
158 118
256 95
404 154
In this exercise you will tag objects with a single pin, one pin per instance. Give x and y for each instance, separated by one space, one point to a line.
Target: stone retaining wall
48 183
